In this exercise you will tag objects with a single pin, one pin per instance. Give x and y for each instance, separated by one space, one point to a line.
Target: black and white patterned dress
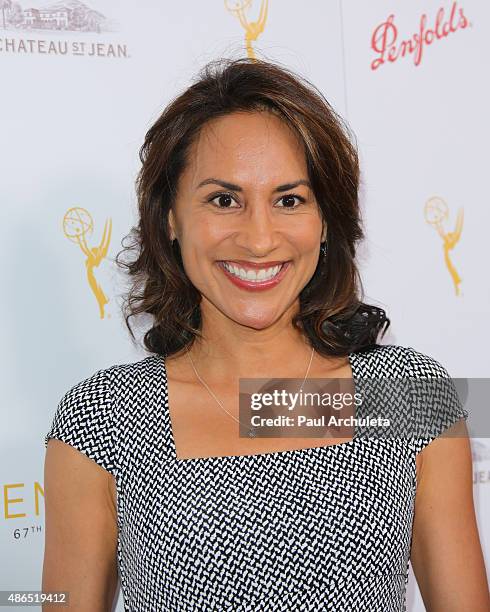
324 528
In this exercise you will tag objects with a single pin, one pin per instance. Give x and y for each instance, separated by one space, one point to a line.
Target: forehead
256 146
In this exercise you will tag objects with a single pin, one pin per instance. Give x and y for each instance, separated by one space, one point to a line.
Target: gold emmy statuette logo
77 224
436 213
253 29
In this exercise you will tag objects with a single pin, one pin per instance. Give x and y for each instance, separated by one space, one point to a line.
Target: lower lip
256 285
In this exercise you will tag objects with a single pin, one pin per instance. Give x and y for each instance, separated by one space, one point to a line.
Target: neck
229 351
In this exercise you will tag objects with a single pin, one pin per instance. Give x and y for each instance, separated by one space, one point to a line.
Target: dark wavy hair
331 312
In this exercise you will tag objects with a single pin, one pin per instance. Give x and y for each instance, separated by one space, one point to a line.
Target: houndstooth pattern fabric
325 528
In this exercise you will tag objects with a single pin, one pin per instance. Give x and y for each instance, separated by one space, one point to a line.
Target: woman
244 258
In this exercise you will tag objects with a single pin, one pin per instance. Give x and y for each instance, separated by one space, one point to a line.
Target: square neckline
167 421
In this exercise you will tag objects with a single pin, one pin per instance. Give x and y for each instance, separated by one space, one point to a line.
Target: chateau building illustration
65 15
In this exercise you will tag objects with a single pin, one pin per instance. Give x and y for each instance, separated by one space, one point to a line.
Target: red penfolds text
386 43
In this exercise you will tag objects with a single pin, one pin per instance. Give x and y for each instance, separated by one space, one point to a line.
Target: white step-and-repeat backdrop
81 82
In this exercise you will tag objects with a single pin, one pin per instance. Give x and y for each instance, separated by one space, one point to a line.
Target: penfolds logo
389 47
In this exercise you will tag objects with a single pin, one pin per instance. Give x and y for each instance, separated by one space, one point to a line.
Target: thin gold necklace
251 430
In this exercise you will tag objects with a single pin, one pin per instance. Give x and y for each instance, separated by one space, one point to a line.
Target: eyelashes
221 194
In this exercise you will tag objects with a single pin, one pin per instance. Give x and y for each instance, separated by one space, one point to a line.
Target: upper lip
252 264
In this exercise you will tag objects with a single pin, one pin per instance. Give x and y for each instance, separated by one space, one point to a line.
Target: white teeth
252 275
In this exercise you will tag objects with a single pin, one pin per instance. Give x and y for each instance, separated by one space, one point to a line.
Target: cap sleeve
437 403
84 419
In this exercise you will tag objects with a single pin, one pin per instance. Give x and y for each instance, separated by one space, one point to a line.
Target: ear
324 232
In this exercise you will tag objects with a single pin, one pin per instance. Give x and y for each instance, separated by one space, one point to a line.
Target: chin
257 322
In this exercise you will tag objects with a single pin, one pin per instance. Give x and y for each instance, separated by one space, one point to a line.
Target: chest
336 512
205 425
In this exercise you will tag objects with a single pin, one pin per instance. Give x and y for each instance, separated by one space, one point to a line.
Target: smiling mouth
253 273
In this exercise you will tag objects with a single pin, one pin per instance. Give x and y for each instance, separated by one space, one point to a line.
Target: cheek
204 235
306 240
199 263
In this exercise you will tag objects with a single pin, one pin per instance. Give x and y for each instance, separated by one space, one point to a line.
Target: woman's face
246 219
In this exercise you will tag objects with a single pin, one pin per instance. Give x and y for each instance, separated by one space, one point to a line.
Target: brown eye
289 203
224 200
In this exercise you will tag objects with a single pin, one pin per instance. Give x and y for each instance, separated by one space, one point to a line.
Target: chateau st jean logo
386 42
71 21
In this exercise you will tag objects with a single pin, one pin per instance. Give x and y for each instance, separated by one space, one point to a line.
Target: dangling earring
323 248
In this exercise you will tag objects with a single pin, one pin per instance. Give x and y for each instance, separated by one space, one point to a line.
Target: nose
259 233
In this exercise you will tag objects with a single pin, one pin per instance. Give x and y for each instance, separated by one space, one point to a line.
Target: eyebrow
233 187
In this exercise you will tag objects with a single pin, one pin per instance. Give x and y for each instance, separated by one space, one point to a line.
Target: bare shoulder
81 528
451 447
73 468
